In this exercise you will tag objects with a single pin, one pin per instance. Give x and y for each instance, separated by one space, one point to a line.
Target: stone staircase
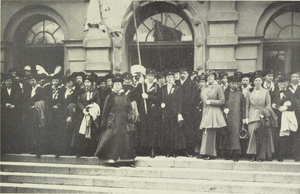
26 173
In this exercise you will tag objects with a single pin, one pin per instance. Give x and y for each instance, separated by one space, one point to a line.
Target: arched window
282 40
164 27
45 32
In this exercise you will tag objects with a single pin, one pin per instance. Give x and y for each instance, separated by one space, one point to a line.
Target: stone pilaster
222 38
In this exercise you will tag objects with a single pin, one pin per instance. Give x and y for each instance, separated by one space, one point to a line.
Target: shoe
168 155
252 159
188 155
38 155
280 160
208 158
174 155
78 155
260 160
199 157
57 155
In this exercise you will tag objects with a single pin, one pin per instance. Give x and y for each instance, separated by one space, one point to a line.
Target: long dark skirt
115 143
173 137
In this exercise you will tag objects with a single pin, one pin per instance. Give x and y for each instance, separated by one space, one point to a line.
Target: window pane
29 37
272 31
296 19
43 39
59 36
284 19
50 26
286 33
296 32
37 27
143 31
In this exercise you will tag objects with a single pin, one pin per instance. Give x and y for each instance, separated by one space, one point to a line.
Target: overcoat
172 135
115 142
212 116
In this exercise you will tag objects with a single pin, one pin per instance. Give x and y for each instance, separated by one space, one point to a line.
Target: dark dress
295 141
115 143
85 146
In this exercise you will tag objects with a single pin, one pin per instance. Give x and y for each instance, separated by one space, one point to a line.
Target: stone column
222 39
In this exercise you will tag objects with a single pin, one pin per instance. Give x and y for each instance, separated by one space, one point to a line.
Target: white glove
261 116
226 110
180 118
85 112
144 95
287 103
69 120
282 108
163 105
55 107
246 121
12 106
7 104
207 101
274 106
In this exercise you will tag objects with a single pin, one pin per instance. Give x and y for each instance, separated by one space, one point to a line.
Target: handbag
243 133
130 128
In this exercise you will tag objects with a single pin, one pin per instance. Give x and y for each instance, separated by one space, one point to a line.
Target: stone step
151 183
42 188
155 172
161 161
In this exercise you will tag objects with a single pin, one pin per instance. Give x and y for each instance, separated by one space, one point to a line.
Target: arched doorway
282 40
39 39
165 36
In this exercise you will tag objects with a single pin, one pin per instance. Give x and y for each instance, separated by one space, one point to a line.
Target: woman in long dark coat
212 117
88 111
115 144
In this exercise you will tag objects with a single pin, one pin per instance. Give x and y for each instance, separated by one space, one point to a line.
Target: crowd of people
175 113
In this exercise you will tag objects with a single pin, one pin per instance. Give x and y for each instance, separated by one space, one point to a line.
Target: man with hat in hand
189 104
145 95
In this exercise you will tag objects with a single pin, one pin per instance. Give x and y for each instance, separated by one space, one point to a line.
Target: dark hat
233 79
238 74
89 77
160 76
127 75
150 71
101 79
7 76
184 69
293 72
167 73
37 77
118 78
284 78
69 78
223 74
81 73
212 72
267 72
246 75
55 76
94 76
257 76
258 73
202 77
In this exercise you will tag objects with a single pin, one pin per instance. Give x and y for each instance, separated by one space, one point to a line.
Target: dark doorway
47 57
163 58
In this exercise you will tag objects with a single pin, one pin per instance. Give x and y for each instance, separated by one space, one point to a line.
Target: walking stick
139 54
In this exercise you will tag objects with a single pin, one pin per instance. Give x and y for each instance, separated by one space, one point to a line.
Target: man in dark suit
172 135
189 105
283 95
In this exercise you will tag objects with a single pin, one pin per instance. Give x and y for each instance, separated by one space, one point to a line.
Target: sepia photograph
150 97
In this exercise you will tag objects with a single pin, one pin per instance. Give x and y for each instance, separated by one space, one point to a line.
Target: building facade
225 36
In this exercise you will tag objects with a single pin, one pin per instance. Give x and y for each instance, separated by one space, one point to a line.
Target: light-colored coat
255 104
212 114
